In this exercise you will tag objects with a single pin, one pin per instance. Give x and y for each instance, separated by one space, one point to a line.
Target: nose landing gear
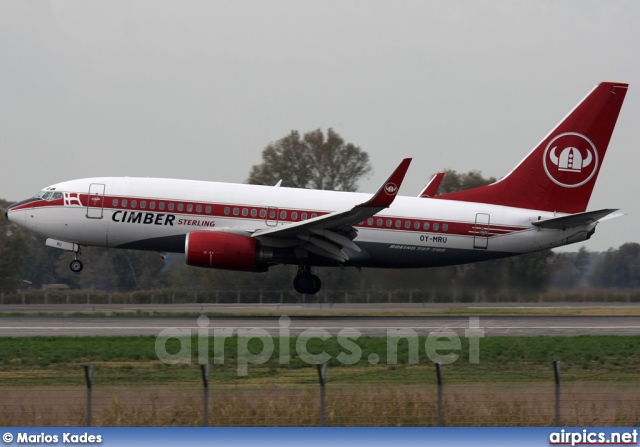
76 264
305 282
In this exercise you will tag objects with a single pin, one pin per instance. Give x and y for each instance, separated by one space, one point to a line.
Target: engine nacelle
221 250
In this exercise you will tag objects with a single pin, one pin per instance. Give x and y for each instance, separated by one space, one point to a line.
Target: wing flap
324 245
337 238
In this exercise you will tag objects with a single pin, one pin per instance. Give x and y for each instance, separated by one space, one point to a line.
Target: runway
311 326
304 309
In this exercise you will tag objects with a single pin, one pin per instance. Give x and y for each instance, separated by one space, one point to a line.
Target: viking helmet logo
570 159
390 188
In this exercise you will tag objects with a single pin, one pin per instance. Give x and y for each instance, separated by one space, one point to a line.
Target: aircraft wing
574 220
327 235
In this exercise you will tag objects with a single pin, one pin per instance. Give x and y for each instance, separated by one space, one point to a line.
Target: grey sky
188 89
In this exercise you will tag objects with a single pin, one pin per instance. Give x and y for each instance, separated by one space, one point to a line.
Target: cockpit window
49 195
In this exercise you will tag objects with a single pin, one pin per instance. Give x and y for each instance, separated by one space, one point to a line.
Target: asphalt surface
292 309
294 326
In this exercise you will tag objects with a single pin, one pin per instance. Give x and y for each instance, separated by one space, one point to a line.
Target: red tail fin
559 174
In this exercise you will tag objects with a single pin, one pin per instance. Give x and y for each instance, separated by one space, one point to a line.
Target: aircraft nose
6 211
16 206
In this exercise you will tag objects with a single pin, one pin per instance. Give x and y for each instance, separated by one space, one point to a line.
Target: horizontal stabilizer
573 220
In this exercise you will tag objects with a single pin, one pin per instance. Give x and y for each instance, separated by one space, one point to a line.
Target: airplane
540 204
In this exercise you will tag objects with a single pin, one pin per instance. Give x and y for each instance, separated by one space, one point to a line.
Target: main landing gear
76 264
305 282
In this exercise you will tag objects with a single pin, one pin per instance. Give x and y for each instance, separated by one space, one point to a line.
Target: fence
253 296
320 402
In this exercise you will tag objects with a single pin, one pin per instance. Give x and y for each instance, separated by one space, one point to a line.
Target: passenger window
254 212
134 203
170 207
272 214
398 224
143 204
245 212
426 225
180 206
314 215
370 221
283 215
379 222
208 209
263 213
189 208
114 202
294 215
124 202
304 216
236 211
152 205
227 210
416 225
436 226
407 224
198 208
161 206
389 223
445 227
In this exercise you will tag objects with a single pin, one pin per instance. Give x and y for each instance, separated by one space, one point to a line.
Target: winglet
432 187
389 189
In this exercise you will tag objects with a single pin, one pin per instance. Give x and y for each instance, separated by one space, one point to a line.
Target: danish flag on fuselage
541 204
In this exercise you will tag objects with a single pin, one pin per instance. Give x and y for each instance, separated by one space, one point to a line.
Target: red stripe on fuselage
262 213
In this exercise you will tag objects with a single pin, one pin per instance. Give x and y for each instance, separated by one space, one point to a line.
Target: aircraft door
95 202
272 216
481 231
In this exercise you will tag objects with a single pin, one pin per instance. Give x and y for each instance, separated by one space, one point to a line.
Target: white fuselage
156 214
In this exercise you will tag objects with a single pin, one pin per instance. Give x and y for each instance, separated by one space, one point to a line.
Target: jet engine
222 250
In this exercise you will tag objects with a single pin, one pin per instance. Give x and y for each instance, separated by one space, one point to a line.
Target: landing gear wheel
317 284
76 266
307 283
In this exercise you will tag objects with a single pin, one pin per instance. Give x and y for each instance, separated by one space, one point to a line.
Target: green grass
59 360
